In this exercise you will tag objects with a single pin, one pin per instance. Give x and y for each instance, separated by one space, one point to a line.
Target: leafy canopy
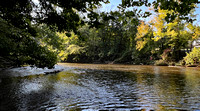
28 28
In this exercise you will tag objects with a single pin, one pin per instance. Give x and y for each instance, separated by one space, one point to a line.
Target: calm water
102 87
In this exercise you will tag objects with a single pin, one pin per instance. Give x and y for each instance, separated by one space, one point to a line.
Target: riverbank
175 64
143 69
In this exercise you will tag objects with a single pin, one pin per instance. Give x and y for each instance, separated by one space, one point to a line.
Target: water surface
102 87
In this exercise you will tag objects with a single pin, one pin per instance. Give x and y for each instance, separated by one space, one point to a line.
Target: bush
180 63
166 55
193 57
172 63
161 63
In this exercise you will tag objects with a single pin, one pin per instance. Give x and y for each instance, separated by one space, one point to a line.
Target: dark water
103 87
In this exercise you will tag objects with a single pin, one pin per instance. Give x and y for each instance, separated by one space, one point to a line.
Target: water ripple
96 89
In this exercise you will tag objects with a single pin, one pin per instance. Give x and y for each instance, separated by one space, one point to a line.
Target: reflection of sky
29 87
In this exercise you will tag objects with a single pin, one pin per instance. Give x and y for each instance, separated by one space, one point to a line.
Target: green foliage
76 51
42 58
60 13
172 63
48 37
180 63
19 47
25 34
113 41
181 7
70 47
193 57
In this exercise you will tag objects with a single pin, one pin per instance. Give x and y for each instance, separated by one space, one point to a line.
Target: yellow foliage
172 34
140 45
69 45
64 38
190 26
182 33
159 25
74 49
171 25
143 29
196 33
162 13
195 30
171 31
156 38
62 55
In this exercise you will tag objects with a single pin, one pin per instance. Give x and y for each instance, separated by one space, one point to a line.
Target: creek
100 87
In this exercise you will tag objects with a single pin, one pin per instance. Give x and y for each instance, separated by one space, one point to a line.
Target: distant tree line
123 38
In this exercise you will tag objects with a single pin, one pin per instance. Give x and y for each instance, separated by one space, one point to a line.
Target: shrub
161 63
166 55
193 57
172 63
180 63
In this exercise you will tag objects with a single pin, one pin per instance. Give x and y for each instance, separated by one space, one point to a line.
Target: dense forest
45 32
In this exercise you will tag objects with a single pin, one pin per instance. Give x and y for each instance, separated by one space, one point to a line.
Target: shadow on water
114 87
26 93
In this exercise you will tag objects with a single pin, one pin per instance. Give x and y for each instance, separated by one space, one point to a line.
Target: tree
194 32
18 47
143 36
181 7
174 33
60 13
113 40
36 45
170 35
71 48
193 58
145 45
23 17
